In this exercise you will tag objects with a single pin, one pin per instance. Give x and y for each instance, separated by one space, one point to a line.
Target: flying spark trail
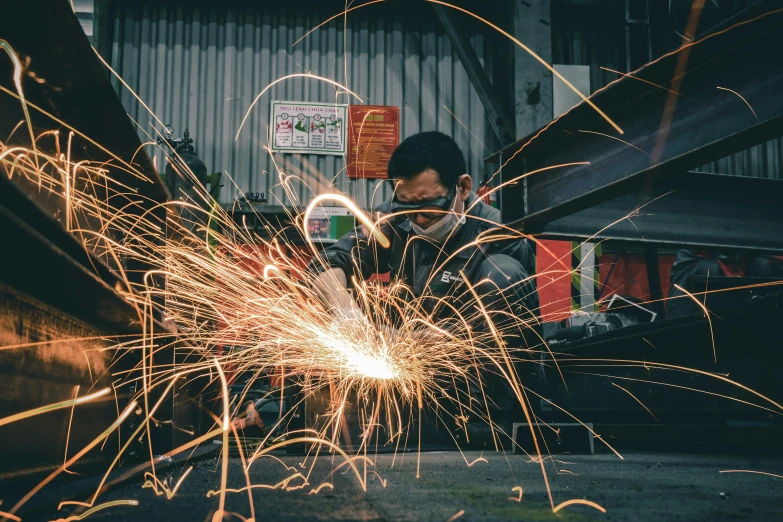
99 508
396 358
615 138
741 98
75 458
750 471
578 501
465 127
52 407
632 77
219 293
706 314
640 402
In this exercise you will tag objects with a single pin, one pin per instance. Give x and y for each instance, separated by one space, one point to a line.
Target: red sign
373 134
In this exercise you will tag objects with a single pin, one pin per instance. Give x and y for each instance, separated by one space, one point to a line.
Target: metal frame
45 265
51 266
706 123
77 88
747 348
692 208
77 91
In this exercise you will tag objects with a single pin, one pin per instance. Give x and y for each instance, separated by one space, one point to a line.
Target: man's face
426 186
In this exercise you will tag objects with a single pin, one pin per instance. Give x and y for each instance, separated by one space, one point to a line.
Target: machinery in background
182 157
620 313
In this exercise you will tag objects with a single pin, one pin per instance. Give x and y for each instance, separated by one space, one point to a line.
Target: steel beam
478 76
47 275
68 81
696 209
66 84
744 339
57 353
664 134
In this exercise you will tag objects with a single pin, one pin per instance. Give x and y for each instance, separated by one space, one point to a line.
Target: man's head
430 177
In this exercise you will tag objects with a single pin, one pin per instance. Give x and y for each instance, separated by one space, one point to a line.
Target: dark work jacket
413 260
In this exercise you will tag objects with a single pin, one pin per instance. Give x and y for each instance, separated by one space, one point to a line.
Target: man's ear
465 184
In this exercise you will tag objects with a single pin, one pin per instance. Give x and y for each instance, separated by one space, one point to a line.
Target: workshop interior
391 260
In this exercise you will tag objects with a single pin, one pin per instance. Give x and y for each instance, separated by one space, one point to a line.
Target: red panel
627 278
553 266
373 134
629 275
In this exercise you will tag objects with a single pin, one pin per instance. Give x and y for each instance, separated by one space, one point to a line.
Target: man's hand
332 286
376 217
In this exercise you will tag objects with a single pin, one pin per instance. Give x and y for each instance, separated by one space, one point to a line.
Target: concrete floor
643 486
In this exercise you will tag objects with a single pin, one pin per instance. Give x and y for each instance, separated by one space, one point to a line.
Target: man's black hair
428 150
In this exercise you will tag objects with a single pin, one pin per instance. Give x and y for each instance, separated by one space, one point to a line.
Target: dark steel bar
41 270
58 354
741 341
76 88
695 209
741 333
707 123
52 288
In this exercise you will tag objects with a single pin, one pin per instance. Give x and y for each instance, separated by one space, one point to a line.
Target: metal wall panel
85 11
592 36
201 67
761 161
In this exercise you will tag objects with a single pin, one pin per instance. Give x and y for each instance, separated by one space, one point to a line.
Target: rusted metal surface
59 304
61 354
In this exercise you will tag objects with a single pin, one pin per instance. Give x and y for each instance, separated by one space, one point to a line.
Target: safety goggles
431 209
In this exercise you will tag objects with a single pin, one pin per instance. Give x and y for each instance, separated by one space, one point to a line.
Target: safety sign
308 128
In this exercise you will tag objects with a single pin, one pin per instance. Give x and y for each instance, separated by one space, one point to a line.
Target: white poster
564 98
308 128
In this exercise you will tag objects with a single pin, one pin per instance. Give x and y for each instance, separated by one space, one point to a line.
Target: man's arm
356 253
331 285
518 249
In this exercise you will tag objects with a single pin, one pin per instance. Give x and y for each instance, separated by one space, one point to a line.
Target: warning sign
373 134
308 128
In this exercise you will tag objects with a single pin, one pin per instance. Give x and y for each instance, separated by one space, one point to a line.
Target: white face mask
441 230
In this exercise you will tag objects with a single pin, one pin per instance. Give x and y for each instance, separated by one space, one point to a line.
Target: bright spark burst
397 359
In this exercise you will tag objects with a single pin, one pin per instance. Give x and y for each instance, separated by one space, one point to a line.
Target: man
439 232
436 222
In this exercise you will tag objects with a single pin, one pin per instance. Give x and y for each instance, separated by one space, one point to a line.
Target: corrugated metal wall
200 68
761 161
597 39
85 12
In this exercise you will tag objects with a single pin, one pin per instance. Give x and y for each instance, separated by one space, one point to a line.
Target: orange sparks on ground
456 515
